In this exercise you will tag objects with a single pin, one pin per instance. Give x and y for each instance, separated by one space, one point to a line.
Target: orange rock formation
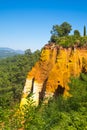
51 74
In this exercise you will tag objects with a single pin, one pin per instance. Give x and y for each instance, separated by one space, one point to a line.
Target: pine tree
84 30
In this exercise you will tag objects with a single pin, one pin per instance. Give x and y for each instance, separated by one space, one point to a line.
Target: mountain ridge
8 52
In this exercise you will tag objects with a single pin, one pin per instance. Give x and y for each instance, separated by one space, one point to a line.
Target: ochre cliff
50 75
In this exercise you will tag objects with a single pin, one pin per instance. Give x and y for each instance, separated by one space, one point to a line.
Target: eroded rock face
51 74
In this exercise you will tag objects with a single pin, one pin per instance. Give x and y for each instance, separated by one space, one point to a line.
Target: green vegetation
62 30
60 35
76 33
13 73
70 41
60 113
84 30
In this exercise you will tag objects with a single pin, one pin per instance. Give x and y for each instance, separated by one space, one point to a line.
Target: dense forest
61 113
13 71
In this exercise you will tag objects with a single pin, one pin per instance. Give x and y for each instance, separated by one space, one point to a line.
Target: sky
26 24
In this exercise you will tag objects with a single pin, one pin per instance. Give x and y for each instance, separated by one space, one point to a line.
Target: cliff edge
51 74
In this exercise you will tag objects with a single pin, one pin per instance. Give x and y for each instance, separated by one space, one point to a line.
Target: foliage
28 52
13 72
61 30
60 35
59 113
69 41
84 31
76 33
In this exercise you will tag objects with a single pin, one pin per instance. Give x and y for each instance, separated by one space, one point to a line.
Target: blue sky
26 24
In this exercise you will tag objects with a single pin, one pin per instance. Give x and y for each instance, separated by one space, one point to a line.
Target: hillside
8 52
47 78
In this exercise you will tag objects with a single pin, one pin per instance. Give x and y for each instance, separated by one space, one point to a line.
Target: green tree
76 33
28 52
61 30
84 30
53 38
66 28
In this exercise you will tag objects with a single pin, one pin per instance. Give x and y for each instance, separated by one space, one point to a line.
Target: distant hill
8 52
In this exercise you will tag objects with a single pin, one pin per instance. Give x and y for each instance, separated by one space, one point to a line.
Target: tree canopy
13 72
61 30
76 33
60 35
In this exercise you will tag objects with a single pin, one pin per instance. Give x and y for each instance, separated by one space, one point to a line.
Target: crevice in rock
59 91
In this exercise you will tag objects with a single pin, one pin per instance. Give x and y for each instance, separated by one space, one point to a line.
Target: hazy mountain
8 52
